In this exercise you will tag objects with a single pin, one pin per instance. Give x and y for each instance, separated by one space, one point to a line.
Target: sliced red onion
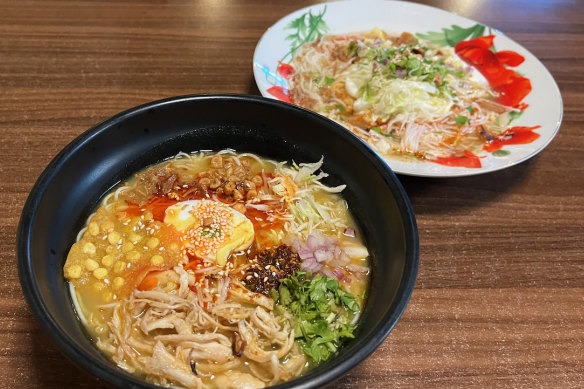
323 255
311 265
348 280
319 255
339 274
349 232
328 272
305 253
314 241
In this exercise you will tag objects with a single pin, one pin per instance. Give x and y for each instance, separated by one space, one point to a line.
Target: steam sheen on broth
220 270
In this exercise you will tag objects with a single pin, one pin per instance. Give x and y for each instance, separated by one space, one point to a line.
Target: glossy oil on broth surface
220 270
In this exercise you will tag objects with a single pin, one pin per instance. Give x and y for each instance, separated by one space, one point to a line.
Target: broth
192 273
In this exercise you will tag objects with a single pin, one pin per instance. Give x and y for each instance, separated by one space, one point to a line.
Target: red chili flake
513 136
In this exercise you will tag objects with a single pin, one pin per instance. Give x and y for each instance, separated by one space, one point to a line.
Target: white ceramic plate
544 100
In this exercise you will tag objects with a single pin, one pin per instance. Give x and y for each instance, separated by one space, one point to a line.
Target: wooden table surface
499 300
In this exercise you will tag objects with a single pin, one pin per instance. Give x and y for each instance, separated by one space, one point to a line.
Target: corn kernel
119 267
148 215
152 242
108 296
114 237
128 246
74 272
107 260
100 273
89 248
157 260
93 228
134 238
173 246
111 250
118 282
133 256
91 265
107 226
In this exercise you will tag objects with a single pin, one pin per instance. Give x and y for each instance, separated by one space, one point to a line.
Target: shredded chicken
202 339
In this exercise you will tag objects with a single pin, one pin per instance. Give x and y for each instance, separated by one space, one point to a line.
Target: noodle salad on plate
434 101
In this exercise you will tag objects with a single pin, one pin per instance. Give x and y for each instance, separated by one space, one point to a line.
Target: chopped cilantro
470 109
461 120
328 80
322 312
341 107
351 48
379 131
412 63
501 153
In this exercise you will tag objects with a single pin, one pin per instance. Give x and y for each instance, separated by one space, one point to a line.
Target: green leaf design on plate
308 27
501 153
453 35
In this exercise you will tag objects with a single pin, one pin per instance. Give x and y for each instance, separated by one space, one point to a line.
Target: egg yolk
210 230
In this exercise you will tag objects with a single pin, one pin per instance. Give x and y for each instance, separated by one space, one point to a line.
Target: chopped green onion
514 115
461 120
328 80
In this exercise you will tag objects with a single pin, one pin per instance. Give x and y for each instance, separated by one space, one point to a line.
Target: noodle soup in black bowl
217 241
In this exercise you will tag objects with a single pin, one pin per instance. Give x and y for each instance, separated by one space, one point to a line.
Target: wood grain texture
499 300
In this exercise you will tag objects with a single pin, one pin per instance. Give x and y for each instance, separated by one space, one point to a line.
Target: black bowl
71 186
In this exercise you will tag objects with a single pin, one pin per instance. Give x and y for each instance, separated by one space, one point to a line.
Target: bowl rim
335 368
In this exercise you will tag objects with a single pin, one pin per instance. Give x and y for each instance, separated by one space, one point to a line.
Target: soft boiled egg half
209 229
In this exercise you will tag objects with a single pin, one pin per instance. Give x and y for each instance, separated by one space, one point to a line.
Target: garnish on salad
408 96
